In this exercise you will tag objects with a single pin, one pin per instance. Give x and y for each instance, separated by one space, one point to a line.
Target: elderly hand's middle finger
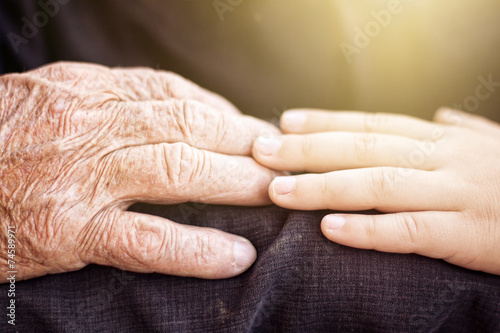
187 121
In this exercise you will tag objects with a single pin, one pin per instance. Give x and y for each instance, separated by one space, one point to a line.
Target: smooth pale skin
80 143
437 183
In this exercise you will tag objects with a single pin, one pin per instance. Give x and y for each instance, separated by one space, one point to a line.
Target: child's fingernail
293 120
283 185
334 222
268 144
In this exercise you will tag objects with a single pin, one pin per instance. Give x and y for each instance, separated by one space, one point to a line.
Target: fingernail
268 144
283 185
293 120
244 254
334 222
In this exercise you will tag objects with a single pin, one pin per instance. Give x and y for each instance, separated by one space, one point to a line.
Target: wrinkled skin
80 143
438 182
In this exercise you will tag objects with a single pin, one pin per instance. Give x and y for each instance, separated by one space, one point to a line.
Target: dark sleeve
22 44
300 282
111 32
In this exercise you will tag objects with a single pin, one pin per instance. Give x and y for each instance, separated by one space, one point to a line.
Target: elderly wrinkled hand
80 143
438 182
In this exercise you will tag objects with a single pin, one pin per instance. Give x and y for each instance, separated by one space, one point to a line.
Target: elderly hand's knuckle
180 245
175 246
141 83
35 238
54 69
107 175
186 115
202 248
185 165
62 64
58 71
173 85
177 160
202 168
146 245
139 246
94 235
155 243
220 126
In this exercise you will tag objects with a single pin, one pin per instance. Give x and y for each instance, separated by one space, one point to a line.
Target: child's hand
438 182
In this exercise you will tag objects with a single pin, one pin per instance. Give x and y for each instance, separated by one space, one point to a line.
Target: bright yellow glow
430 53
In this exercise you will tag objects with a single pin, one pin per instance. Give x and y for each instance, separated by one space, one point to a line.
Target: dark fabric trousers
301 282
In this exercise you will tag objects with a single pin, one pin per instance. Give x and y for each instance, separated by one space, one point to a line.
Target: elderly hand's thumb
144 243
